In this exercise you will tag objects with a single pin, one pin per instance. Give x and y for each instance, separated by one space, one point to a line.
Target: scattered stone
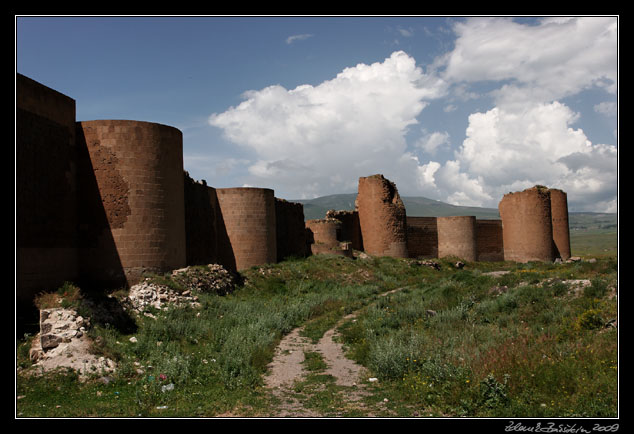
429 263
212 278
577 286
49 341
498 290
613 323
133 340
62 342
496 273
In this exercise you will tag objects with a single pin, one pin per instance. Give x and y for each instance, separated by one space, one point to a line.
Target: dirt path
287 369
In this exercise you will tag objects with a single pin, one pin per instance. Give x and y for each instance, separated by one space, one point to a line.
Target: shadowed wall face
561 229
138 171
381 217
350 227
527 225
248 216
489 240
46 202
200 222
422 237
290 229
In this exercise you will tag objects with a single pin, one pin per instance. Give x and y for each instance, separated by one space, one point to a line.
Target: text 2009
606 428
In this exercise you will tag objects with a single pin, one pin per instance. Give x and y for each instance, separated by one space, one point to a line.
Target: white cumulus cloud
322 138
550 60
529 136
511 150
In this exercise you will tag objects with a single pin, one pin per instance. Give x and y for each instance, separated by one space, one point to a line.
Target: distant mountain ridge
418 206
415 206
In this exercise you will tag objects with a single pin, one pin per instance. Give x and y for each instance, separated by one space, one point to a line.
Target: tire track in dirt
287 369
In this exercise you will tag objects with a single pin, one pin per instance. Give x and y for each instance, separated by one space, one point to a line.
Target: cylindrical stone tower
248 216
325 231
527 225
132 215
382 217
561 231
457 237
324 237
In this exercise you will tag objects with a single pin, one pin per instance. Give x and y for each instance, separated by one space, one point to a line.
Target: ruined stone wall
290 229
527 225
422 237
200 222
350 227
324 231
457 237
323 237
139 224
489 240
248 216
561 229
45 182
381 217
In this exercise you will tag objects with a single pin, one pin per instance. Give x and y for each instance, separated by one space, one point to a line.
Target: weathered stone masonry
535 225
381 217
103 201
138 169
100 202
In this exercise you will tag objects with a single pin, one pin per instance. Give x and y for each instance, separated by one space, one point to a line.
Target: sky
457 109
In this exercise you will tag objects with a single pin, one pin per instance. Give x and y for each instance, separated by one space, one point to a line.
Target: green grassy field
523 344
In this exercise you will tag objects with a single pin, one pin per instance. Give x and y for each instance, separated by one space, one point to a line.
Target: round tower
527 225
324 237
248 217
457 237
381 217
132 215
561 231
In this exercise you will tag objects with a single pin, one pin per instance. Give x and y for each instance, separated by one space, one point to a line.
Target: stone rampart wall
489 240
422 237
46 189
290 229
103 201
201 208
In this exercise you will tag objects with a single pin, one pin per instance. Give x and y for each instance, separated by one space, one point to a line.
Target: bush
590 320
493 393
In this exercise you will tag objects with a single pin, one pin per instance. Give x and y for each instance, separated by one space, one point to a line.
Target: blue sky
458 109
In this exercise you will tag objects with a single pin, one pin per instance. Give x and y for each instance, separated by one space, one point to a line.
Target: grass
446 345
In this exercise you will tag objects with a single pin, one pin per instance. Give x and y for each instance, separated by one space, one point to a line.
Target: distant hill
415 206
424 207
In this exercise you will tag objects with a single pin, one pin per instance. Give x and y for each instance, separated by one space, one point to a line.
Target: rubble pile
63 343
190 281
